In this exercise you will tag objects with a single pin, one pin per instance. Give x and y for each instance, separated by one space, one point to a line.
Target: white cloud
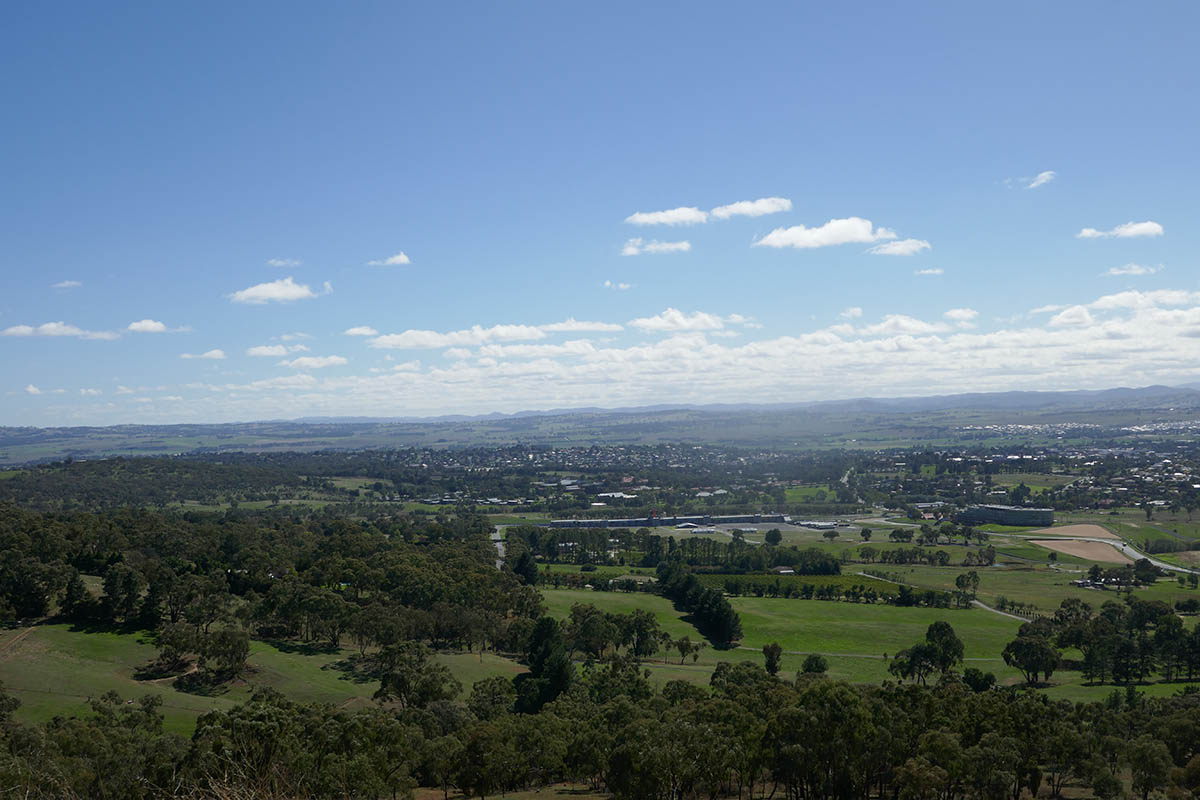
124 390
1041 179
314 362
833 232
689 215
66 285
57 329
283 262
361 330
263 350
929 271
90 392
572 325
893 324
457 353
1132 269
618 286
1153 299
391 261
854 312
635 247
963 317
1072 316
1047 309
476 335
673 319
212 355
284 290
753 208
1123 231
291 337
31 389
901 247
147 326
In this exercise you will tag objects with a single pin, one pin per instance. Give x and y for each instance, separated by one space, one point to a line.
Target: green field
53 670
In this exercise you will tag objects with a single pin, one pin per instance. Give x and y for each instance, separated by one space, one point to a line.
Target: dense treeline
1121 642
749 734
711 612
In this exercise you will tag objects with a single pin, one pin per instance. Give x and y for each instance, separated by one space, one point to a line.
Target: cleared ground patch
1090 531
1091 551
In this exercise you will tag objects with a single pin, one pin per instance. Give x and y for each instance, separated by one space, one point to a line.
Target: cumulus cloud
893 324
361 330
391 261
854 312
66 285
1041 179
572 325
475 335
314 362
673 319
1047 309
31 389
929 271
833 232
753 208
635 247
283 262
1124 231
1072 316
689 215
211 355
901 247
618 286
147 326
457 353
963 317
90 392
284 290
57 329
1132 269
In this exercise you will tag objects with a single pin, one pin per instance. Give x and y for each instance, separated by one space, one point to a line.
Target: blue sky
194 194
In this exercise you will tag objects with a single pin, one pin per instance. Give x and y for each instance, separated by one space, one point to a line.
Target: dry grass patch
1092 551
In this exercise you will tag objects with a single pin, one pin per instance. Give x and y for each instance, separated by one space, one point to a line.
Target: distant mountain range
936 421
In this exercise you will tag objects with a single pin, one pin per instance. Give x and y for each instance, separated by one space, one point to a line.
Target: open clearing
1092 551
1089 531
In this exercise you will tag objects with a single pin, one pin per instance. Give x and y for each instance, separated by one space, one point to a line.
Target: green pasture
54 669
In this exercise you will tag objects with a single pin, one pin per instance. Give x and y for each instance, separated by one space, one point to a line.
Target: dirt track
1089 531
1092 551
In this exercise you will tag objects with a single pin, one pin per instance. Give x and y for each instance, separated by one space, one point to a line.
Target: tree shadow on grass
302 648
356 668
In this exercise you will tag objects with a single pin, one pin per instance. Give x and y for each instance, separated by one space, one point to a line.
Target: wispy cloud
962 317
31 389
211 355
267 350
753 208
57 329
929 271
90 392
284 290
572 325
283 262
1132 269
854 312
66 285
1041 179
1124 231
635 247
689 215
901 247
1072 316
314 362
619 286
833 232
361 330
391 261
475 335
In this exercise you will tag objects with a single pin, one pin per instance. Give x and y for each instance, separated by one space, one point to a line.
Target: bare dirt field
1092 551
1090 531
